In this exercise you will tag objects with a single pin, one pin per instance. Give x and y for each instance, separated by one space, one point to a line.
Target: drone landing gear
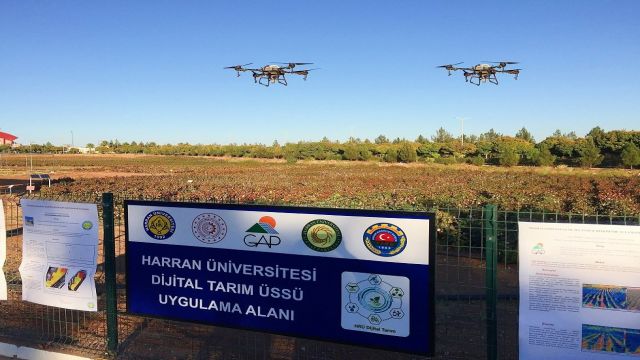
282 80
470 79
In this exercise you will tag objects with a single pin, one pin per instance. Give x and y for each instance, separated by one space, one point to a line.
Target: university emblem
159 224
321 235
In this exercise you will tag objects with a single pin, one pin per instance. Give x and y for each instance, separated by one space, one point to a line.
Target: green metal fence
476 298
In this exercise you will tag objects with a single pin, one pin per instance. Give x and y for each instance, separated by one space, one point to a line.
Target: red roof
4 135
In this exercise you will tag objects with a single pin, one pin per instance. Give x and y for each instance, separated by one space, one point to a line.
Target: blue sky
152 70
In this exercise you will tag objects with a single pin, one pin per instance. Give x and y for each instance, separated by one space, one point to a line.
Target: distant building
81 150
7 139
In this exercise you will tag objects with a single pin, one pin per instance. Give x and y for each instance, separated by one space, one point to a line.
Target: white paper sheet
579 291
60 253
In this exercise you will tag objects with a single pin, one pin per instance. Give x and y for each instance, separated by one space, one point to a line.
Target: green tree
407 153
524 134
350 152
630 155
442 136
508 157
544 157
598 135
476 160
391 155
490 135
428 150
363 152
588 153
381 139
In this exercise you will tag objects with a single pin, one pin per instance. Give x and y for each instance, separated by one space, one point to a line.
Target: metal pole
462 128
109 247
491 235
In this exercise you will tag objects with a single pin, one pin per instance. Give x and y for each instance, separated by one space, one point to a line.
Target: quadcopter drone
483 72
272 73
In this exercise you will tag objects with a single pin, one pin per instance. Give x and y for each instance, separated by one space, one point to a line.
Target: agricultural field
610 339
415 186
602 338
604 296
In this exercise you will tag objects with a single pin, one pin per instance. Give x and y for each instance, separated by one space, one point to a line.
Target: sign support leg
491 235
110 273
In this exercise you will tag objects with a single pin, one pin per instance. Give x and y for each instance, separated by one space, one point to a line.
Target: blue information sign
351 276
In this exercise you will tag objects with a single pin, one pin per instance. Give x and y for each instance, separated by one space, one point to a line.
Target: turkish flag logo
384 237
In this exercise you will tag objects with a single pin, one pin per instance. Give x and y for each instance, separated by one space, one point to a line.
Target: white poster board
3 253
579 291
59 254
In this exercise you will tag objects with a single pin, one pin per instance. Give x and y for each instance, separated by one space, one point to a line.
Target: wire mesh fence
40 326
462 301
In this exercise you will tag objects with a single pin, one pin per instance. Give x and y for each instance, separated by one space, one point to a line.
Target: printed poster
3 253
579 291
59 254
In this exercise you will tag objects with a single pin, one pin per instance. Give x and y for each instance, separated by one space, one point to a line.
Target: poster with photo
59 254
579 291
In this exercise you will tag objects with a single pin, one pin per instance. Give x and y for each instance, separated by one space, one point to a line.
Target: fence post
109 247
490 219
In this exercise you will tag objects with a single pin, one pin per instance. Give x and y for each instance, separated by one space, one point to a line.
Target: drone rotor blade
501 62
236 66
289 63
449 65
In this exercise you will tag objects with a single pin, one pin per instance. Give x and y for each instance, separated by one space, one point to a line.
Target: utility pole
72 138
462 130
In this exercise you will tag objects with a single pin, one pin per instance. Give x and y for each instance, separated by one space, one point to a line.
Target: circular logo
209 228
385 239
375 299
87 225
159 225
321 235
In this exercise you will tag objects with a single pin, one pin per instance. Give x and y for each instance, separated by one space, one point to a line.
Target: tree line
617 148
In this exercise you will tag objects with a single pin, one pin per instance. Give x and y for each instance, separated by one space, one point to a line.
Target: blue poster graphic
279 270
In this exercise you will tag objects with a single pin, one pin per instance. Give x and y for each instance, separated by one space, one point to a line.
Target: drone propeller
305 70
238 68
235 67
449 65
501 62
291 65
515 72
294 63
304 73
